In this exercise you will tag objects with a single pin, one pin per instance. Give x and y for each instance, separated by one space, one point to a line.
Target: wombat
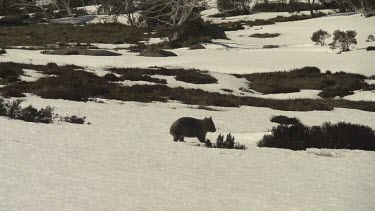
191 127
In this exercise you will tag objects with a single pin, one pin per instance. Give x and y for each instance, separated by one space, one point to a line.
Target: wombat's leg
175 138
202 139
181 139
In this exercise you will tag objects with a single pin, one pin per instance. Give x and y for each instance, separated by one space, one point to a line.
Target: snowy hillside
126 159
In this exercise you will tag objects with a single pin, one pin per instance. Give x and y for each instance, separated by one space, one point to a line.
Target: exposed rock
154 52
78 51
197 46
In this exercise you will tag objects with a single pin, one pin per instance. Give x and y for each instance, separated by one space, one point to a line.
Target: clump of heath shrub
370 38
228 143
2 51
13 110
319 37
74 119
332 136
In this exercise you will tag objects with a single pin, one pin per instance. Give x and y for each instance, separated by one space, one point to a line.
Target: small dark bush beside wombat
191 127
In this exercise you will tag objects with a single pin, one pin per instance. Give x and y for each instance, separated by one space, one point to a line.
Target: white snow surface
127 160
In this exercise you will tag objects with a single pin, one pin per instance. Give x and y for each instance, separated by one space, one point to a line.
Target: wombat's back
186 126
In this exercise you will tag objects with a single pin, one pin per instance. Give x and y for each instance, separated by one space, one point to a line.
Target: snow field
126 158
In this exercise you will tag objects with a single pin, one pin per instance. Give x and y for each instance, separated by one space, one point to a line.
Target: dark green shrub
270 46
264 35
74 119
370 38
304 78
228 143
319 36
331 92
44 34
185 75
370 48
232 26
333 136
196 78
2 51
111 77
10 72
284 120
13 110
14 20
293 6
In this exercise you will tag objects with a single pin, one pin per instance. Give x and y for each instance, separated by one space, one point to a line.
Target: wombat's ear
210 117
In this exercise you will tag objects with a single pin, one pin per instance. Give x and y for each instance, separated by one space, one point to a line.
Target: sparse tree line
172 12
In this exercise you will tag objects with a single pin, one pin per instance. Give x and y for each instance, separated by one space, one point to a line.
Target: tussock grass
186 75
265 35
39 35
337 84
71 83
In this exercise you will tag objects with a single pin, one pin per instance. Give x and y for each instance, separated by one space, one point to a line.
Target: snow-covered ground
242 54
126 159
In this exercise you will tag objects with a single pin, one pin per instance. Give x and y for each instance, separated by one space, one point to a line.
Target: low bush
264 35
334 91
14 20
196 77
49 69
232 26
370 38
13 110
111 77
370 48
305 78
261 22
270 46
74 119
333 136
284 120
281 18
228 143
291 7
185 75
80 51
9 72
257 22
2 51
43 34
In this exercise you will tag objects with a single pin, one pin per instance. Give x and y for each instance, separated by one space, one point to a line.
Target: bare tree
118 7
365 7
25 5
63 4
311 3
177 11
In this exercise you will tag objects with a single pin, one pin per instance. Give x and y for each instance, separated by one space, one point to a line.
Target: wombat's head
210 124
